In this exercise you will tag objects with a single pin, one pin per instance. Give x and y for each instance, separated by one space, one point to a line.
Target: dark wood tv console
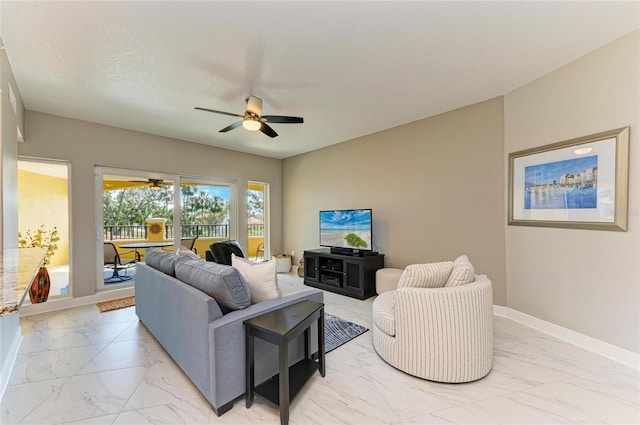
349 275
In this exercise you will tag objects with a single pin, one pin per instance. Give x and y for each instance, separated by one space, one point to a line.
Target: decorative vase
39 289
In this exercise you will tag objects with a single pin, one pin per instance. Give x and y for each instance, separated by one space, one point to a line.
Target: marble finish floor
80 366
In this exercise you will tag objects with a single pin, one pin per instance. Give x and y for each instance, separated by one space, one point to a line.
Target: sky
351 218
220 191
547 173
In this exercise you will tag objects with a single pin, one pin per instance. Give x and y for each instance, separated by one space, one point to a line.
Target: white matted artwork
579 183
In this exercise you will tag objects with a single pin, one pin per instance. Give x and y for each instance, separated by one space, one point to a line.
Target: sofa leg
222 409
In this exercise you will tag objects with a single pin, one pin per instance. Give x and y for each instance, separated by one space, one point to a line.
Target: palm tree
187 192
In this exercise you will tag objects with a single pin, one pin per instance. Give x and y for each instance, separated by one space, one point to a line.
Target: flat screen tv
347 229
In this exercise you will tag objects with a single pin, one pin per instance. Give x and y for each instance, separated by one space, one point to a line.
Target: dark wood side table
280 327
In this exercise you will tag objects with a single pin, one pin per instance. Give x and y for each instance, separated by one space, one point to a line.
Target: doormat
338 331
105 306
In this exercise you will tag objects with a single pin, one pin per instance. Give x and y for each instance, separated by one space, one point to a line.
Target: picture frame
580 183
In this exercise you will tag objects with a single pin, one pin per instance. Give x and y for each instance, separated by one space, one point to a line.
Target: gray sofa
208 345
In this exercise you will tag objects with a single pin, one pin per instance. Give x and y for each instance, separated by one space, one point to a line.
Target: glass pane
137 215
205 212
43 219
128 203
256 219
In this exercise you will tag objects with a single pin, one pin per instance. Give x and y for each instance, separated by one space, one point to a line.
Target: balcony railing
200 230
255 229
188 231
125 232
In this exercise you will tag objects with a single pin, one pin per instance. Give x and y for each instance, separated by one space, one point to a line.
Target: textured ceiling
348 68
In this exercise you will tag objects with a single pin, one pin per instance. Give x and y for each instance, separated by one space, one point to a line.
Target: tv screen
346 229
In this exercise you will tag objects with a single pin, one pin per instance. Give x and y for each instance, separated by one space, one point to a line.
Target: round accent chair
438 323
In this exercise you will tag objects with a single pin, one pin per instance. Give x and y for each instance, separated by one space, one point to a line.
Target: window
206 212
257 221
137 212
43 204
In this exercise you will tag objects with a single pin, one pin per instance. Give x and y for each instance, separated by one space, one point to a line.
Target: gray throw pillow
161 260
223 283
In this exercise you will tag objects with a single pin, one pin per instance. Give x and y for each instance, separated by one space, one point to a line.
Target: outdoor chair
260 252
220 252
189 243
112 258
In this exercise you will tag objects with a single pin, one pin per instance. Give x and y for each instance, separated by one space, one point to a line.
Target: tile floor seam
477 404
126 403
66 379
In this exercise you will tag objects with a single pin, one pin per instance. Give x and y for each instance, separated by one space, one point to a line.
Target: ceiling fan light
251 124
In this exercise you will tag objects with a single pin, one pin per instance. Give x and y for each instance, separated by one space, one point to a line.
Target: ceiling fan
253 121
153 183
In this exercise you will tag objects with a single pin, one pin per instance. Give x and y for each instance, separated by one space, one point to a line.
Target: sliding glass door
141 210
206 211
137 214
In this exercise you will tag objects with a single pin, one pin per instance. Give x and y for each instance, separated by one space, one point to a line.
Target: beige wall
85 145
584 280
435 187
10 122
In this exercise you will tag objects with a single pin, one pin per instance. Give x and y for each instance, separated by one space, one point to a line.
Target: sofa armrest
266 306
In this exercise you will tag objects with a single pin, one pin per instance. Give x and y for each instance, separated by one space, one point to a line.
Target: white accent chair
438 323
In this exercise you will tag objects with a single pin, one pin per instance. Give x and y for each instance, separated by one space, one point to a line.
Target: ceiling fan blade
147 181
254 105
218 112
278 119
231 127
268 130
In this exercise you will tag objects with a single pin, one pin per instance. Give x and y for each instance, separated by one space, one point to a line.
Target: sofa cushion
462 272
384 315
261 278
432 275
223 283
161 260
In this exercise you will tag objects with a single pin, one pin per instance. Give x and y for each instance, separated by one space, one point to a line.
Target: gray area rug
338 331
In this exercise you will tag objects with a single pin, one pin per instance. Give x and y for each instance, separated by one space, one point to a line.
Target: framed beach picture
580 183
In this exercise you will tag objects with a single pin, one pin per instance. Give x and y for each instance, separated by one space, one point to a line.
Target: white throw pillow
431 275
261 278
184 251
462 273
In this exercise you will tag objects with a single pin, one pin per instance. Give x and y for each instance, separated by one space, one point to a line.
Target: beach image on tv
346 229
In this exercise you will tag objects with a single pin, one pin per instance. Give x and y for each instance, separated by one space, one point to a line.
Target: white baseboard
10 361
54 305
612 352
500 311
